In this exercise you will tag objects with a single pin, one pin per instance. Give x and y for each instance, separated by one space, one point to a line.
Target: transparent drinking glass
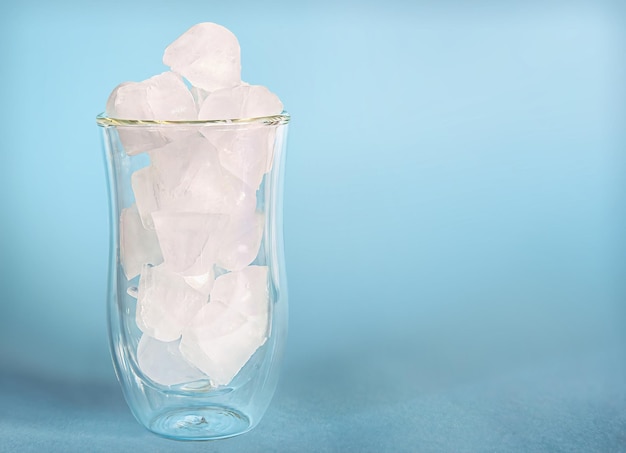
197 303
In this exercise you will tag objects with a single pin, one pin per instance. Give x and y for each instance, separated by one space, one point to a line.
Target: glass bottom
200 423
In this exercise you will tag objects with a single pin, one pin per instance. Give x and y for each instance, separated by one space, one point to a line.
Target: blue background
455 220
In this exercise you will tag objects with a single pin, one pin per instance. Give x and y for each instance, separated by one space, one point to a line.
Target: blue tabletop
346 403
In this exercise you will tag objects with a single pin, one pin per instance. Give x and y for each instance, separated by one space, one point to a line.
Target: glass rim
273 120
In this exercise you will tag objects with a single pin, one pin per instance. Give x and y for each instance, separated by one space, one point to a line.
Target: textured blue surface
573 405
455 212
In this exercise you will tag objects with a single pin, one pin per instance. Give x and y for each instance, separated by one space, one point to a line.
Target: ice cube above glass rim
203 83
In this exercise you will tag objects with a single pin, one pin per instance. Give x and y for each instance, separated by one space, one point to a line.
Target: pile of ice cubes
195 230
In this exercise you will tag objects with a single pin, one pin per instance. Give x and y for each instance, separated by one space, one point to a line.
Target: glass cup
197 304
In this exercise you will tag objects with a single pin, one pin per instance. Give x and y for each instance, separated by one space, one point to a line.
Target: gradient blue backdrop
455 218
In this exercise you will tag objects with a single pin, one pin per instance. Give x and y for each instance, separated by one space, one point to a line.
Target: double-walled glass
197 303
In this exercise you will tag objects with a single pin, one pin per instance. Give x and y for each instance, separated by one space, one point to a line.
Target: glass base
200 423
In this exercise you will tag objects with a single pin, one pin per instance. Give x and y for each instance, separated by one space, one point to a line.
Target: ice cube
189 178
207 55
199 95
231 327
161 184
223 194
245 152
162 97
128 100
243 101
260 101
144 186
220 341
138 246
178 161
188 240
245 291
240 240
163 363
165 303
169 98
203 282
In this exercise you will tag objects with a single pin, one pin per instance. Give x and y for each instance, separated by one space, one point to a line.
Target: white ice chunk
177 162
163 363
231 327
189 178
165 303
203 282
162 97
144 185
199 95
169 98
128 100
207 55
223 195
245 291
246 152
260 101
138 246
243 101
178 165
240 240
220 341
188 240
